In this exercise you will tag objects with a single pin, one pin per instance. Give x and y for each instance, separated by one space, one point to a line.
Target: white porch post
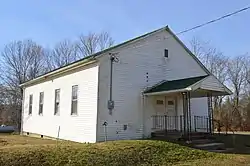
184 99
189 114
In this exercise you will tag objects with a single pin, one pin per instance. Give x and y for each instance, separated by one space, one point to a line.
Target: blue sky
47 21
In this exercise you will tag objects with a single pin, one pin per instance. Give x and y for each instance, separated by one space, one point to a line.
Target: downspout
111 103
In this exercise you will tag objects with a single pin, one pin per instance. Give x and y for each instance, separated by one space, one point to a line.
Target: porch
183 106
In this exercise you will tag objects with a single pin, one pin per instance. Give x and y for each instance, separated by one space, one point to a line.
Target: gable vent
166 53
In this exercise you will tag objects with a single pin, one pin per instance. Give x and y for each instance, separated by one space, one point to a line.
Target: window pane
170 102
30 104
41 97
57 108
74 92
57 101
31 99
74 107
57 95
159 102
40 109
74 99
30 109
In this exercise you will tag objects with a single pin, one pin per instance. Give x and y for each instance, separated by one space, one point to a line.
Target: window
41 98
30 104
57 102
166 53
159 102
74 100
170 102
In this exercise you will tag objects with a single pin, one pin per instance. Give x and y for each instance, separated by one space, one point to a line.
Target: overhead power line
213 21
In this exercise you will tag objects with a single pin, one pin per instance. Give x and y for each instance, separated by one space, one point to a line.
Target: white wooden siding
81 127
136 62
211 83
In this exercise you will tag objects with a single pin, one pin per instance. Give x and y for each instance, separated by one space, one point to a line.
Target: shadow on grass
237 143
240 142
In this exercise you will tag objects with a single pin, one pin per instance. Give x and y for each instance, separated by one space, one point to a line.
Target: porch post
210 111
186 114
189 115
184 98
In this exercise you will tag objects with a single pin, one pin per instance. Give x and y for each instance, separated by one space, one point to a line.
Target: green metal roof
175 84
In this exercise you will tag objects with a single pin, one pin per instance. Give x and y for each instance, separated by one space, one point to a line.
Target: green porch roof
175 84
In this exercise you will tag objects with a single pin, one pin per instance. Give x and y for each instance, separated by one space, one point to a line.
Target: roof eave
59 72
167 92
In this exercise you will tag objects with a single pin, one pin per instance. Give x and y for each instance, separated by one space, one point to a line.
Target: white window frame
41 103
30 104
57 102
74 99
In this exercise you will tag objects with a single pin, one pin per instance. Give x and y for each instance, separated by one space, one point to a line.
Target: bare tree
216 63
237 71
94 42
65 52
212 58
198 48
105 40
20 61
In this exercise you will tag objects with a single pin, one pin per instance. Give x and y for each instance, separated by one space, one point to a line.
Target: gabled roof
92 58
175 84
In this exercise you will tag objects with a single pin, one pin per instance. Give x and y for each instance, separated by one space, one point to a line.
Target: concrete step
166 133
202 141
210 146
226 150
198 136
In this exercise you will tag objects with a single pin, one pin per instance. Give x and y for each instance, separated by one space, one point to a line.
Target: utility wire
215 20
209 22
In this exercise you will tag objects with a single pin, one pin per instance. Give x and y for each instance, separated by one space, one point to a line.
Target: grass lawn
18 150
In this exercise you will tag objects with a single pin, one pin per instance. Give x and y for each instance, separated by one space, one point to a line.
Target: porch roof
201 85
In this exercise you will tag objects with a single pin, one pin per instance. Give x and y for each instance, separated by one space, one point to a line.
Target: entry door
170 106
160 106
171 113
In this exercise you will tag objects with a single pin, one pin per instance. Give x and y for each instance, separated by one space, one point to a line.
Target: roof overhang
59 71
168 92
198 86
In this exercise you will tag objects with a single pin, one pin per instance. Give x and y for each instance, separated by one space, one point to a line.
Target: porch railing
201 123
164 122
176 123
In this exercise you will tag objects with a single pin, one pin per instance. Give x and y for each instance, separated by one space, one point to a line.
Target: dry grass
17 140
226 160
18 150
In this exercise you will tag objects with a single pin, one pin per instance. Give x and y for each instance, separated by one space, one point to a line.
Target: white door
160 112
170 106
160 106
172 119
